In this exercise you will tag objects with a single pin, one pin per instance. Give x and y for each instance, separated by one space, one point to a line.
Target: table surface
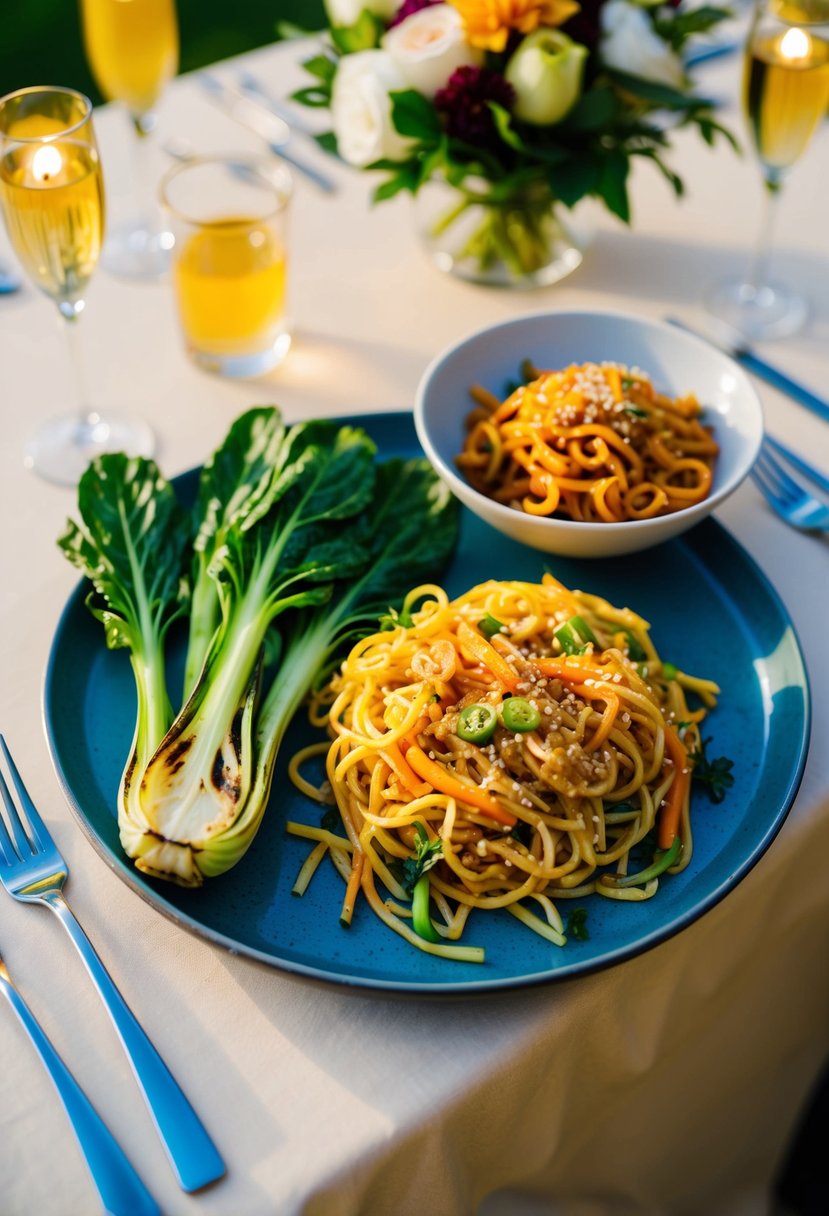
669 1083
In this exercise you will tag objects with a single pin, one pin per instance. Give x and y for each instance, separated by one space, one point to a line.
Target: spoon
9 280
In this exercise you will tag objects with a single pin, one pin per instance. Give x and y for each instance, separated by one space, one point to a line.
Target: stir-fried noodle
594 442
507 749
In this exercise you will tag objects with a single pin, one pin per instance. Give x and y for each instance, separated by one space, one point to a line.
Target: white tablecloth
668 1084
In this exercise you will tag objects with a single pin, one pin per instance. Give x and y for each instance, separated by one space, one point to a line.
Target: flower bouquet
515 109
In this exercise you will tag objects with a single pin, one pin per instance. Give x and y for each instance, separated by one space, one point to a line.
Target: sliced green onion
669 672
420 911
575 635
490 625
520 715
635 651
663 859
477 723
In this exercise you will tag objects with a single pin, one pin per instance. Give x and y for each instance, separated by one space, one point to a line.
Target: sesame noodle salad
593 442
516 747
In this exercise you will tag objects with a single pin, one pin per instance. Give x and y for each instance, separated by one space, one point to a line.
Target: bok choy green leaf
300 538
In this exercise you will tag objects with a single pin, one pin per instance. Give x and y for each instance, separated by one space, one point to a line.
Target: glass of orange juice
229 219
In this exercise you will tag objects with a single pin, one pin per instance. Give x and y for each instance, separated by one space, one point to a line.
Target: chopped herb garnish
715 776
523 833
628 382
669 672
635 411
427 854
330 819
392 619
576 926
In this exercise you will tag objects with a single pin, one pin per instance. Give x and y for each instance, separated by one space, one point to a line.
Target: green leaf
661 95
314 96
678 26
415 116
130 545
612 184
594 111
327 140
576 177
363 35
321 66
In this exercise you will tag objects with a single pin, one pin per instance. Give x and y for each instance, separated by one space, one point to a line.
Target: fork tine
8 852
37 837
787 485
773 473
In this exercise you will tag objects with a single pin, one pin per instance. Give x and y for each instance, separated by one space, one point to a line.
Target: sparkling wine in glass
52 200
785 98
132 50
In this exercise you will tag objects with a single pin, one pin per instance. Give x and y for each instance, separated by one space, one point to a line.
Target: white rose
630 44
346 12
428 46
361 108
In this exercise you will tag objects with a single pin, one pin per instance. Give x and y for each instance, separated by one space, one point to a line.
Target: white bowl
677 363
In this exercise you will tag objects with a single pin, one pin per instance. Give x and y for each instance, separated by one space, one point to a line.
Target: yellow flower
488 22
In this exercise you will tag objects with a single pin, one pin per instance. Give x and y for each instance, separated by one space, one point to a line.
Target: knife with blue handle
766 371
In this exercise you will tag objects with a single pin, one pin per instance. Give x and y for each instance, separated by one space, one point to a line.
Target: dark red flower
408 7
463 102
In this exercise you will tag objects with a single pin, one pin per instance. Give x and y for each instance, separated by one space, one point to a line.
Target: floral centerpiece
520 108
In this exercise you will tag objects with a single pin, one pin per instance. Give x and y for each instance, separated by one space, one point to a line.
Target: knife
270 127
251 87
766 371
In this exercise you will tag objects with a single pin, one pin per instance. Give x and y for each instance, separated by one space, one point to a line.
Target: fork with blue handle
792 500
33 870
121 1190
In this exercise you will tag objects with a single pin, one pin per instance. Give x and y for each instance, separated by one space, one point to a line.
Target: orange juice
230 280
132 48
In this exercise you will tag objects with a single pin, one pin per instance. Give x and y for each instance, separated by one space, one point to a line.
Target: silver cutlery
256 91
787 496
10 280
121 1190
33 870
268 126
752 362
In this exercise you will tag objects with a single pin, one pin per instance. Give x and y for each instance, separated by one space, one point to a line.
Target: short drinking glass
229 220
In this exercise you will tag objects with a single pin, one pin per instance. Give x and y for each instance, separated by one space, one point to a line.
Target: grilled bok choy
301 538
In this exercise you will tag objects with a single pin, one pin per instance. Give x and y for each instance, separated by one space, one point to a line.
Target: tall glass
785 98
132 50
52 199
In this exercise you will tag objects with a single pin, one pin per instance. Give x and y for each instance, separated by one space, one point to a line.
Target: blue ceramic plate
712 613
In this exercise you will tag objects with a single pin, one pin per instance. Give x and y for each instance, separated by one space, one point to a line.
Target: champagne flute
132 50
52 199
785 98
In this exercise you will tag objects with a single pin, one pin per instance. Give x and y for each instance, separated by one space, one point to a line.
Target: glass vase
521 239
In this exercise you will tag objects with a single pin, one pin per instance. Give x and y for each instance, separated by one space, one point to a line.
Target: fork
791 500
121 1190
33 870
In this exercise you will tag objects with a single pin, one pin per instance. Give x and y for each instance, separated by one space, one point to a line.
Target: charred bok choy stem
131 545
312 538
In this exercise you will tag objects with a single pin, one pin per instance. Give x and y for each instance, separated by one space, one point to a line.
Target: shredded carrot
487 656
393 756
568 672
446 783
675 798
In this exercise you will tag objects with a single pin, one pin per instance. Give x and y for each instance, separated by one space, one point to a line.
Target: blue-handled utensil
766 371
